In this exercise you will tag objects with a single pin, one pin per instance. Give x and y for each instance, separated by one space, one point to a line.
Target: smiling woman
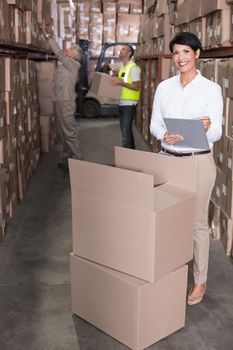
191 96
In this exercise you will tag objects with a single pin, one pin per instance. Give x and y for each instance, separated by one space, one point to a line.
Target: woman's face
185 58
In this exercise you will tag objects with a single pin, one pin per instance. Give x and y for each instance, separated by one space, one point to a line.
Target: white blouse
201 97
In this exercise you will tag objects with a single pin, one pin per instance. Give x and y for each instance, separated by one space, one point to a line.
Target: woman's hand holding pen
172 139
206 122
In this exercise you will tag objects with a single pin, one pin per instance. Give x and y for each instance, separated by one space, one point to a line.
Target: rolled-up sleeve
215 107
157 127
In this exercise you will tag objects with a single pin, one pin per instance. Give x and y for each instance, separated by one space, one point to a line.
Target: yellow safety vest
124 74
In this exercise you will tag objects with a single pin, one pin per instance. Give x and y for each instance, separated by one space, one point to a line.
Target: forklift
88 104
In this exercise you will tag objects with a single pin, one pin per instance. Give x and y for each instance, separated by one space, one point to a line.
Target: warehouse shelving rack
147 64
16 50
218 52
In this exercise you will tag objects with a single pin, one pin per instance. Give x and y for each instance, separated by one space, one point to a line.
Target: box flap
131 187
179 172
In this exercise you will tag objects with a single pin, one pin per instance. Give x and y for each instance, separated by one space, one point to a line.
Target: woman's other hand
172 139
206 122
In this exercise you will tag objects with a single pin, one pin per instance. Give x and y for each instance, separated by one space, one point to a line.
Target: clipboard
192 131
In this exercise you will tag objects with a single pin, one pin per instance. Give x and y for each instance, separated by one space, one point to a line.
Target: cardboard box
101 85
109 36
165 68
229 157
224 77
2 73
123 7
231 23
226 118
46 70
95 6
132 20
182 13
127 34
226 232
4 177
109 7
227 206
194 9
47 125
83 6
222 28
198 27
228 108
163 45
46 88
136 9
2 115
43 10
208 6
224 153
227 78
214 220
9 74
96 18
109 19
122 221
134 312
163 25
151 28
46 105
161 7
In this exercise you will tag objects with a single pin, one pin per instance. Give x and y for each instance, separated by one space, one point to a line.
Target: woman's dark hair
186 38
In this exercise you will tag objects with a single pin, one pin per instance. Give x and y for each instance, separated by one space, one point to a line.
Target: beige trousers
206 174
67 129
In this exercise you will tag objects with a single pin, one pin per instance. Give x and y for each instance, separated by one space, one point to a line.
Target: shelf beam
24 51
218 52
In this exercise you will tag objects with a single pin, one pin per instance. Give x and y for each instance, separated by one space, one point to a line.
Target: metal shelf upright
152 69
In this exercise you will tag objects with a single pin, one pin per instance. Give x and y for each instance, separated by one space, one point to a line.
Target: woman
191 96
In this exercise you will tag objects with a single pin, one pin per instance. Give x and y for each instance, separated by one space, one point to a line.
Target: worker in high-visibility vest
129 77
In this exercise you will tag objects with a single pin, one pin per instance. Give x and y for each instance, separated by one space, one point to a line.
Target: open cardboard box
138 221
134 312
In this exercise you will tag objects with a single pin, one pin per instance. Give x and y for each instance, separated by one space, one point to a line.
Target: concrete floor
35 311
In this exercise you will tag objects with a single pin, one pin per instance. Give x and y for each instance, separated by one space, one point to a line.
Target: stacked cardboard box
20 136
127 258
19 132
221 208
66 22
157 27
45 74
19 21
127 28
108 21
209 20
96 28
48 132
